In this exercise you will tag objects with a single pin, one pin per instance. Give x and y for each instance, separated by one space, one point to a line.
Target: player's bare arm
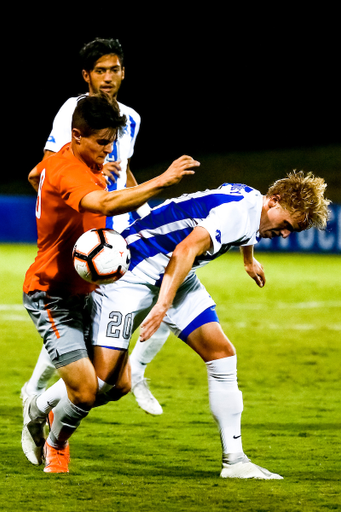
122 201
34 178
252 266
181 262
34 175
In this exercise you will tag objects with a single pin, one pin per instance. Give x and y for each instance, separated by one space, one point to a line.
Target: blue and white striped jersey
230 214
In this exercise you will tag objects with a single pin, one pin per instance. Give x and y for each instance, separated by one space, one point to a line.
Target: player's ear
76 135
274 200
86 76
123 73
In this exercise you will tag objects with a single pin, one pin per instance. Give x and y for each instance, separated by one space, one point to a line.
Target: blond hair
303 196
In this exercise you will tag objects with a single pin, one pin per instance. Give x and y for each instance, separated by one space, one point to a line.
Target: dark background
205 80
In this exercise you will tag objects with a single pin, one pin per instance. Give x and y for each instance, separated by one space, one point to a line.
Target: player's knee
85 396
229 349
114 394
124 388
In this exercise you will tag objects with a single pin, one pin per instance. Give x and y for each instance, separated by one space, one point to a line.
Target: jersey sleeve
74 183
61 128
136 121
131 129
227 225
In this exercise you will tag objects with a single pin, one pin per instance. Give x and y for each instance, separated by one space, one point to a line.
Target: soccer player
167 246
72 197
161 285
102 65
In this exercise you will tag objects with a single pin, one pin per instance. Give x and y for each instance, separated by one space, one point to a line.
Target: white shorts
119 308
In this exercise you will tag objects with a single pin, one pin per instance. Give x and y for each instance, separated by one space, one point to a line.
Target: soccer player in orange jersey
72 197
103 69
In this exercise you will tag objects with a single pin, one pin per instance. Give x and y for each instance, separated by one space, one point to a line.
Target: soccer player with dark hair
102 66
72 197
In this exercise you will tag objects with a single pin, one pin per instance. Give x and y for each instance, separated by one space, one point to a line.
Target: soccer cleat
24 394
32 437
244 468
145 399
49 421
56 459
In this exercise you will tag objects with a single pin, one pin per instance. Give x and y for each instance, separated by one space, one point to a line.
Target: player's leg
113 374
226 401
194 320
69 412
117 310
61 323
142 354
42 373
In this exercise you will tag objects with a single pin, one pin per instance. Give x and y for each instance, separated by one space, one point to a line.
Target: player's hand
256 271
179 168
152 322
112 170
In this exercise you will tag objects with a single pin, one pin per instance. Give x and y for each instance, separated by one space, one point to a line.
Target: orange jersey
64 181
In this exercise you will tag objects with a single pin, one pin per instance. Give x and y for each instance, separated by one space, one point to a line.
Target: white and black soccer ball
101 256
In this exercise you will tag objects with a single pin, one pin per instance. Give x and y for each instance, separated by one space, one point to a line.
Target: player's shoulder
71 103
244 192
237 188
130 112
61 160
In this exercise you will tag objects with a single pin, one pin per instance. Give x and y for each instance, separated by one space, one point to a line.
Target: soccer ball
101 256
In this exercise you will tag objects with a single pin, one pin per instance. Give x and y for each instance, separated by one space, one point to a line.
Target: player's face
277 221
106 76
93 149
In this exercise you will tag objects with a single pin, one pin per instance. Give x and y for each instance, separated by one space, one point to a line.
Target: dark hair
91 52
97 112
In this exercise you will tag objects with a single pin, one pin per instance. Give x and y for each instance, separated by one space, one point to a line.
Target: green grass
287 338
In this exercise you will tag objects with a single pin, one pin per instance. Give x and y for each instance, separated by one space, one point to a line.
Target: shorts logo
218 236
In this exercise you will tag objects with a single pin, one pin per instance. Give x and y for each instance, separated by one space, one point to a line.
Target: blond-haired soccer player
167 246
72 197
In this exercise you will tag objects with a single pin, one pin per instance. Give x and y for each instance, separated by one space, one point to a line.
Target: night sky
219 82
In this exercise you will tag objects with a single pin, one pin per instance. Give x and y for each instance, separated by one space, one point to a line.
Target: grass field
287 338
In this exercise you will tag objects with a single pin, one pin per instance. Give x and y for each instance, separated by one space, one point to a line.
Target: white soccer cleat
32 437
24 394
145 399
244 468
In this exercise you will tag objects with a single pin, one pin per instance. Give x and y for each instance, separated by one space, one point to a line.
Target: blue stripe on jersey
112 184
148 247
132 127
109 223
191 208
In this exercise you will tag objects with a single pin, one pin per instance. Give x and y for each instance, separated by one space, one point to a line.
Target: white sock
67 417
43 371
103 387
226 402
144 352
51 397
